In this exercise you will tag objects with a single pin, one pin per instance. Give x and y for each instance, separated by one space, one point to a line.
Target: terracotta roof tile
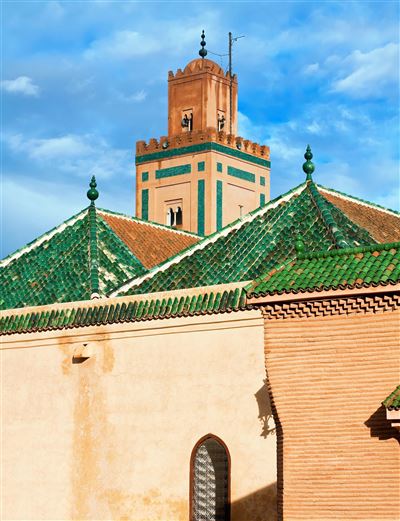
383 225
151 244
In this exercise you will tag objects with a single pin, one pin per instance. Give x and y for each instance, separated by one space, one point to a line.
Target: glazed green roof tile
392 402
67 264
359 267
204 303
251 246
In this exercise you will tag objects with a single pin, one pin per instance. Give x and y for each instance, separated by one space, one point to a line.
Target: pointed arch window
210 480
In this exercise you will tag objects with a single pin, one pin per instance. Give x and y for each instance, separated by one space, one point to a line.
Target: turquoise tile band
173 170
203 147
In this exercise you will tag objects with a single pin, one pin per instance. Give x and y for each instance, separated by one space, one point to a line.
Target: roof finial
92 194
203 50
308 166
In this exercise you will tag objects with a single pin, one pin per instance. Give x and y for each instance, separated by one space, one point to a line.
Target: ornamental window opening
174 217
210 481
187 120
178 216
220 120
170 217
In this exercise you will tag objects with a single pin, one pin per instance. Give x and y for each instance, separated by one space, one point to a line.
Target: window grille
210 485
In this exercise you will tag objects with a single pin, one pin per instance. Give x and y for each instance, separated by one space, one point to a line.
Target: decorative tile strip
173 170
241 174
219 167
145 176
145 204
330 307
262 180
200 207
219 205
262 199
201 166
202 147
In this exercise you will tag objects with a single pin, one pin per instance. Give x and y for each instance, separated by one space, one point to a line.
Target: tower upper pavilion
201 176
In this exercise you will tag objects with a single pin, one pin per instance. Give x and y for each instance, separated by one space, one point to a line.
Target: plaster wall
111 437
339 456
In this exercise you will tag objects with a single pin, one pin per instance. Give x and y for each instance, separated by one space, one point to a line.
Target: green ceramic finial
299 245
203 50
93 194
308 166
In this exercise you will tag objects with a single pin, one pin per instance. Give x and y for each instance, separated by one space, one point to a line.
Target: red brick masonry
328 372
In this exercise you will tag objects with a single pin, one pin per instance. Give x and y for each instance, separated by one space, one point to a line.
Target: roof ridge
322 206
209 239
350 250
118 238
42 238
359 200
150 223
56 266
93 253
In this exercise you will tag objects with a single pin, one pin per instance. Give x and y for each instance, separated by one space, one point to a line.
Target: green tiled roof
393 400
69 263
255 244
359 267
208 302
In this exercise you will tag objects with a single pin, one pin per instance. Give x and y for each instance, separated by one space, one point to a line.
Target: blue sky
83 81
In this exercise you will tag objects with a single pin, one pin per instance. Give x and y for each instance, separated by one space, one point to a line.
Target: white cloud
370 73
123 45
21 85
314 128
137 97
312 68
79 155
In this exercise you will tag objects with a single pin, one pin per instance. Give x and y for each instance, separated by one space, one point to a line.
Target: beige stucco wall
236 192
111 438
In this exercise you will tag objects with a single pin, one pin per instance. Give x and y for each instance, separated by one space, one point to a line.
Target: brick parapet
185 139
199 66
329 363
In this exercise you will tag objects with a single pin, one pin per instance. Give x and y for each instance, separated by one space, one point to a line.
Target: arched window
210 480
170 217
178 216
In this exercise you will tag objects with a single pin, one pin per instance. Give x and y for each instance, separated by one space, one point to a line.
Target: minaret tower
200 178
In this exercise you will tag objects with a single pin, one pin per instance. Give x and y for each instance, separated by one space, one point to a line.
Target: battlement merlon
197 137
199 66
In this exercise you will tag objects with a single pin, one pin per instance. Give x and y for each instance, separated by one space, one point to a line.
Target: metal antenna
231 40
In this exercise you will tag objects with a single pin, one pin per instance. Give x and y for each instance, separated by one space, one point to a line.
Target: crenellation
202 136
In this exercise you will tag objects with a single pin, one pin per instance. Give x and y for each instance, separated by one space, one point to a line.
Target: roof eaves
321 255
208 300
392 402
209 239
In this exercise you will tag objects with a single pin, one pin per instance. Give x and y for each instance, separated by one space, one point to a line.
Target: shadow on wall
258 506
265 411
380 427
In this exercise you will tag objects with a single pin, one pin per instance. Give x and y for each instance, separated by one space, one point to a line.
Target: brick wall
338 456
